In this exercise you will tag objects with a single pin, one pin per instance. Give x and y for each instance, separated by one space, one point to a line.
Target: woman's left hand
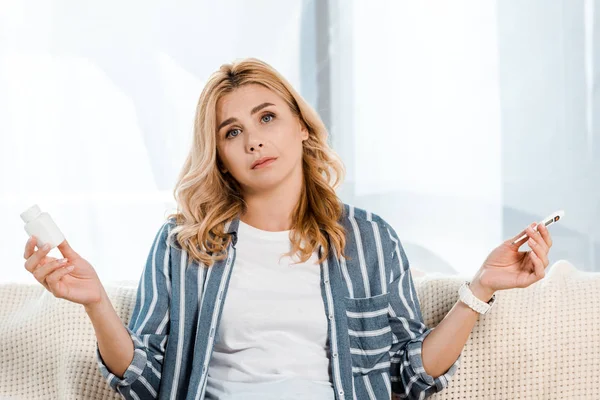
506 267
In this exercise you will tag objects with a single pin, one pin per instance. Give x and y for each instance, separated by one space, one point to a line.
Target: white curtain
469 120
427 127
459 122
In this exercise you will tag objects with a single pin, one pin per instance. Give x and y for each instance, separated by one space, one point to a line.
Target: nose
252 146
254 140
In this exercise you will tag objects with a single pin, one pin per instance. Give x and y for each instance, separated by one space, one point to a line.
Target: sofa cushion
540 342
47 345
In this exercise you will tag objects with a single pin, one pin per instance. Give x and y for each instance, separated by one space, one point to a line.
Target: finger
537 238
539 250
36 258
30 247
45 261
516 241
54 280
43 271
67 251
539 268
530 279
543 229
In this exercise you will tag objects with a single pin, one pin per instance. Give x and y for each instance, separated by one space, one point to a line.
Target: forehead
243 99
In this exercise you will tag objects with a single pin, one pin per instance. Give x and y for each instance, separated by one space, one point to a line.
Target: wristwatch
467 297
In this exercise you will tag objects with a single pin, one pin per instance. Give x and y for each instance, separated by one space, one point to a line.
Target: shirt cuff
133 371
414 349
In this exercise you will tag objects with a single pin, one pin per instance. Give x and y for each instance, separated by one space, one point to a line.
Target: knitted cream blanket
542 342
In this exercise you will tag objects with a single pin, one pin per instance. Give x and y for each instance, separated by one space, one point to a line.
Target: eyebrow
254 111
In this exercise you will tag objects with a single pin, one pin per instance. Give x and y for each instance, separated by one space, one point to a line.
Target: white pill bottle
41 225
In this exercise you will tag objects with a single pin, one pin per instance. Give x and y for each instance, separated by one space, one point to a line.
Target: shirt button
204 369
335 354
341 392
330 316
326 280
212 332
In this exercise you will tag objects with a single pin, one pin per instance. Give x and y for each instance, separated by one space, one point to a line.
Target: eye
268 115
228 133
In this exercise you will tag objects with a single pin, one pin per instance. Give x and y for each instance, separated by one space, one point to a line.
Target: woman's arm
444 344
408 376
114 342
148 329
505 268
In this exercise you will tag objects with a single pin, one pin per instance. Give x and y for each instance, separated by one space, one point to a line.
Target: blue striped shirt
375 325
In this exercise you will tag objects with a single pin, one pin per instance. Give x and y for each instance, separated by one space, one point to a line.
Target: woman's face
253 122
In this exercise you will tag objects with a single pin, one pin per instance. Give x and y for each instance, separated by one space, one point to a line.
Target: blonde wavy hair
207 198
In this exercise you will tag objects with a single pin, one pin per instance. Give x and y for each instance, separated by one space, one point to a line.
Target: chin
264 182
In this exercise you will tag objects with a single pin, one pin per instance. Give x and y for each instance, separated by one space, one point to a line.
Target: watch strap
467 297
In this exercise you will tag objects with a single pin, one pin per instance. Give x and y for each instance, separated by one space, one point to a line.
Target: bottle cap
31 213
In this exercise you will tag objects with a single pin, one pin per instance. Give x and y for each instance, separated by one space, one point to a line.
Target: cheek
234 156
292 148
225 156
289 143
297 145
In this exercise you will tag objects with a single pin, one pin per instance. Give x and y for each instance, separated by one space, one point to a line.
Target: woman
320 299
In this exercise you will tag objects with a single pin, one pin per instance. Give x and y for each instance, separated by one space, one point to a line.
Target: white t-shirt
272 337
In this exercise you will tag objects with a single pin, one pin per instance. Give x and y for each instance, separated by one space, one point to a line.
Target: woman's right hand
81 285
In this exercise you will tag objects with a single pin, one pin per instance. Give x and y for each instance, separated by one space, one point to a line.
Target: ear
304 133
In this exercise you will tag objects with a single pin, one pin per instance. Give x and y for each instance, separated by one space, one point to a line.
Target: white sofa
542 342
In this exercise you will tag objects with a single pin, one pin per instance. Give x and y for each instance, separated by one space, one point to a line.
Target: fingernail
70 268
62 261
46 246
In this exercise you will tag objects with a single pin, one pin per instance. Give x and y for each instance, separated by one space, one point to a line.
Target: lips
262 161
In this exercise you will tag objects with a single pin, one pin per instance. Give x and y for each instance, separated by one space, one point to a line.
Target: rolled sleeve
133 371
407 374
415 361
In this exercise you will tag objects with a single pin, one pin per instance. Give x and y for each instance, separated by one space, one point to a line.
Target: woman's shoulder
364 217
169 235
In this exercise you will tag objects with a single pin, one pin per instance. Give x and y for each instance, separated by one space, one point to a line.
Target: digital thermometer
549 220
